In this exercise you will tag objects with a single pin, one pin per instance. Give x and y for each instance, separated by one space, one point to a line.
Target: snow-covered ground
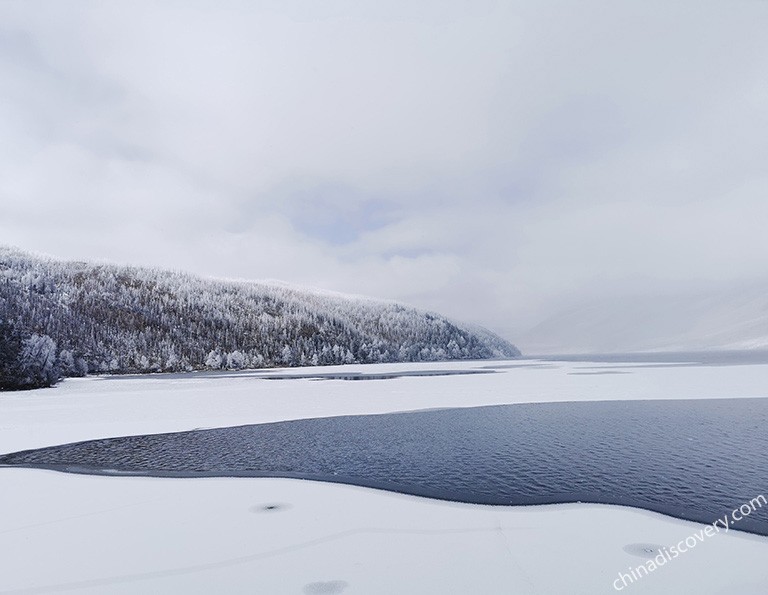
62 533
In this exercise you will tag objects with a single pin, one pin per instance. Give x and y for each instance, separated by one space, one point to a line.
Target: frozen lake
692 459
64 532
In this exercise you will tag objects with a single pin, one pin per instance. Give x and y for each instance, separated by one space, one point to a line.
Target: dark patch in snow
272 507
643 550
325 588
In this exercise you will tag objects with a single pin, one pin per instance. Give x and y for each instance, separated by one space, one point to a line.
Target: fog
504 163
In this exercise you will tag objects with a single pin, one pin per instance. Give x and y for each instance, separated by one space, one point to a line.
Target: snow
98 407
70 533
729 318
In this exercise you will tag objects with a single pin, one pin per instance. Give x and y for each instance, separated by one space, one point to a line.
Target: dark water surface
281 374
694 459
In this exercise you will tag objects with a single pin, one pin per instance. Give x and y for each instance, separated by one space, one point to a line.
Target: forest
60 319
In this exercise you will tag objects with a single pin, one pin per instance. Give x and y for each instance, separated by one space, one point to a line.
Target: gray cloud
497 161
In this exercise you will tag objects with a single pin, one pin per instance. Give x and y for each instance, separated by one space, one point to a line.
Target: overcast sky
493 161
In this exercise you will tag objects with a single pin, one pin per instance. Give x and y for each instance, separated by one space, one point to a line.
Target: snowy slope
732 318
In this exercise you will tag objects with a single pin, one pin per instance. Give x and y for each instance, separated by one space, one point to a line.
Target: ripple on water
695 459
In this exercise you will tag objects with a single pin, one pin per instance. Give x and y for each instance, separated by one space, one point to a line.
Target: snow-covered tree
38 361
10 351
235 360
214 360
26 363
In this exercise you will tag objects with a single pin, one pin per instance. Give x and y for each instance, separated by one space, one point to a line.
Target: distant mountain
724 318
71 318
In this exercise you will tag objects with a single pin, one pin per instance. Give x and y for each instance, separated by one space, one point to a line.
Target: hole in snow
325 588
271 507
643 550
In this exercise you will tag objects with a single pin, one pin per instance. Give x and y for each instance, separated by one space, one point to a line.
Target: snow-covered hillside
76 317
729 318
